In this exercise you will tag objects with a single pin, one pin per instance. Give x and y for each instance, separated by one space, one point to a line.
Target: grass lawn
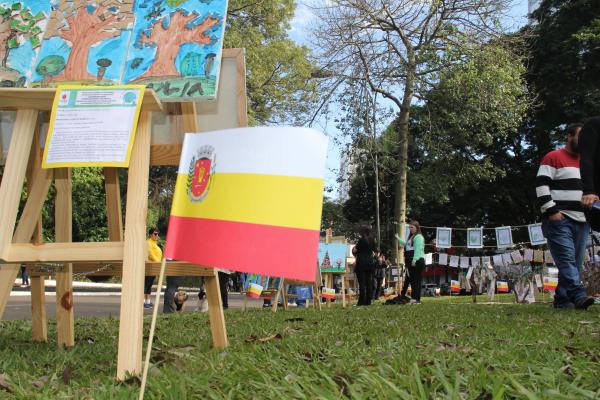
433 350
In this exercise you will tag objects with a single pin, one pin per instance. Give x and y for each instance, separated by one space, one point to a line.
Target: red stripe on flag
260 249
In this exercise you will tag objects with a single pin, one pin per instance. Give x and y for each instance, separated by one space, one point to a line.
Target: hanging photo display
504 237
464 262
475 238
443 238
536 236
443 259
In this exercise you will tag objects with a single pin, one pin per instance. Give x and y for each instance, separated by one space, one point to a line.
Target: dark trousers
173 283
415 278
378 290
365 287
223 280
148 281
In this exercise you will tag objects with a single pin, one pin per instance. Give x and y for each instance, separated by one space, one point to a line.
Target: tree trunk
76 68
5 35
402 155
164 61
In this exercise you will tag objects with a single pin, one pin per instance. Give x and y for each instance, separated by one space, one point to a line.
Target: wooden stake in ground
152 327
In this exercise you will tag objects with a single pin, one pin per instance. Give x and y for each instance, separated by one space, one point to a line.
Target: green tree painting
17 25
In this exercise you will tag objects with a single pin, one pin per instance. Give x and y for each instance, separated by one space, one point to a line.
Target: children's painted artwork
22 25
176 47
172 46
332 257
84 43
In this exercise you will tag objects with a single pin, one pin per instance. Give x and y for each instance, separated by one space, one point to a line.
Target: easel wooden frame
329 276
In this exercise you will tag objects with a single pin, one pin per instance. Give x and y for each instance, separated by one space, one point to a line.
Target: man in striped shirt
558 188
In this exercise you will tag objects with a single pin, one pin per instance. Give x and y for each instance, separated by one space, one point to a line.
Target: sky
300 29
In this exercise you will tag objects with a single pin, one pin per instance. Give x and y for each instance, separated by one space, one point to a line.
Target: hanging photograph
443 259
443 238
475 238
536 236
504 237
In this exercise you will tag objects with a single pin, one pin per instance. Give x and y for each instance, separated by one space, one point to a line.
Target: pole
152 327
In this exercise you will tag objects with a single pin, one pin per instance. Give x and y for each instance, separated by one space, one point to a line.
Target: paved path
91 304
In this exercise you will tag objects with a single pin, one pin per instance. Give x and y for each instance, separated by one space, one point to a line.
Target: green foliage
563 69
453 351
90 223
51 65
191 64
279 71
465 140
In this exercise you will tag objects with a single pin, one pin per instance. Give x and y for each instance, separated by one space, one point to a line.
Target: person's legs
369 283
223 278
405 283
562 239
173 283
148 281
362 287
416 282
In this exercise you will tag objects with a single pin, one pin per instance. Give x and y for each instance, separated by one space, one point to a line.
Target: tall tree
401 46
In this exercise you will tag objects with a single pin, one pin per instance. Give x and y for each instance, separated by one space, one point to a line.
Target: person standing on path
559 192
365 265
414 257
154 255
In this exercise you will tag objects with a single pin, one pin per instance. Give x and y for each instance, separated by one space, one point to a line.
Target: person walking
24 276
414 256
154 255
559 192
365 265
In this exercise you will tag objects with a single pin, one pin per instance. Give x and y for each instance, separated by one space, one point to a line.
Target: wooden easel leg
39 326
215 312
39 323
63 217
10 195
135 254
316 297
245 303
277 297
284 289
344 302
113 204
329 284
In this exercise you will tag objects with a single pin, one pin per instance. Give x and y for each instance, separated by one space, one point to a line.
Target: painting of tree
17 25
83 25
169 36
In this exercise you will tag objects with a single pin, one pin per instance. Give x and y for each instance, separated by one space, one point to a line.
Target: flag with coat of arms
250 200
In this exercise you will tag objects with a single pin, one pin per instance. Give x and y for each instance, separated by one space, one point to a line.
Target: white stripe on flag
290 151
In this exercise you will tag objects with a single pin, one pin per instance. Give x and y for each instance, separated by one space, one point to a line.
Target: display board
172 46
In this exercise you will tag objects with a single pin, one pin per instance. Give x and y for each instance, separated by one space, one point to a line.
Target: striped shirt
558 185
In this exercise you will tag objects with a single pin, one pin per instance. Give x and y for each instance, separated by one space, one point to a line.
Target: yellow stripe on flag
285 201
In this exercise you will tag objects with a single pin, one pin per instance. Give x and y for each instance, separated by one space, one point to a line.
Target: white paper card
528 255
443 259
428 258
498 259
475 261
454 261
464 262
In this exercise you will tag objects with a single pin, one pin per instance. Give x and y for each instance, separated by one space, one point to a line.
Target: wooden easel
127 250
329 276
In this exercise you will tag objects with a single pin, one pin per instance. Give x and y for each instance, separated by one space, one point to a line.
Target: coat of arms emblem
202 166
